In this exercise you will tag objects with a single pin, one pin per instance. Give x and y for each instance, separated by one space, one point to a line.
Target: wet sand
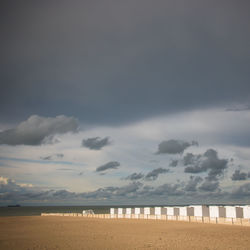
84 233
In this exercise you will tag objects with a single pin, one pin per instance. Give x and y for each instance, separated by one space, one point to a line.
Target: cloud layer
240 176
108 165
174 146
38 130
171 193
95 143
209 161
153 175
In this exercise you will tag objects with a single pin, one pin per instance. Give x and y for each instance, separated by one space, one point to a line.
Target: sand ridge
36 232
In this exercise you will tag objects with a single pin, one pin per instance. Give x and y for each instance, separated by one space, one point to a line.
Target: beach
36 232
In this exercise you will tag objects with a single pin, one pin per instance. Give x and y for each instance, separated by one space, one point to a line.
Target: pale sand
85 233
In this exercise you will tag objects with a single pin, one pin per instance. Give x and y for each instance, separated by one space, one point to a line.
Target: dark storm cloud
242 191
38 130
153 175
173 163
134 176
109 165
114 192
174 146
215 165
194 169
209 186
190 158
95 143
239 176
51 157
115 61
191 185
208 162
168 189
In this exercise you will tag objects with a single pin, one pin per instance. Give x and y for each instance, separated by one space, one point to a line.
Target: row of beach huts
192 210
231 215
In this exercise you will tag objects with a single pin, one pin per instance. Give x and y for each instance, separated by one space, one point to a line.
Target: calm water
37 210
31 211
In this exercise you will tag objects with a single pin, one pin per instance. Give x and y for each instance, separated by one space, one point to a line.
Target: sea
37 210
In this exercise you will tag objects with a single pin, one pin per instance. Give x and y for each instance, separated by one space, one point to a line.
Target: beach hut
246 212
160 211
116 211
132 210
200 210
234 212
217 212
186 211
149 211
112 210
139 210
121 210
176 211
222 212
170 210
214 211
128 210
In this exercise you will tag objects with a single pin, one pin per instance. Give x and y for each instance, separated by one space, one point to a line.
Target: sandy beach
84 233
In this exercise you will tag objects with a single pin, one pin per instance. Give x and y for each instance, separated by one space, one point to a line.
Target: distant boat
17 205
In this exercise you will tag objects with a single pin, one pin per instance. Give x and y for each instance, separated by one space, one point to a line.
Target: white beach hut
112 212
128 212
149 211
176 211
186 211
217 212
234 212
200 210
170 211
246 212
214 211
116 212
121 212
138 211
160 210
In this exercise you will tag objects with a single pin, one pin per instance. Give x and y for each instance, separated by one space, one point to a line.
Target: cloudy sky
124 102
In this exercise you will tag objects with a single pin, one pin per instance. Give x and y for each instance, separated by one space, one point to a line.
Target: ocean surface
36 210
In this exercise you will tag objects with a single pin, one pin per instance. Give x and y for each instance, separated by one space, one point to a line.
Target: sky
124 102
